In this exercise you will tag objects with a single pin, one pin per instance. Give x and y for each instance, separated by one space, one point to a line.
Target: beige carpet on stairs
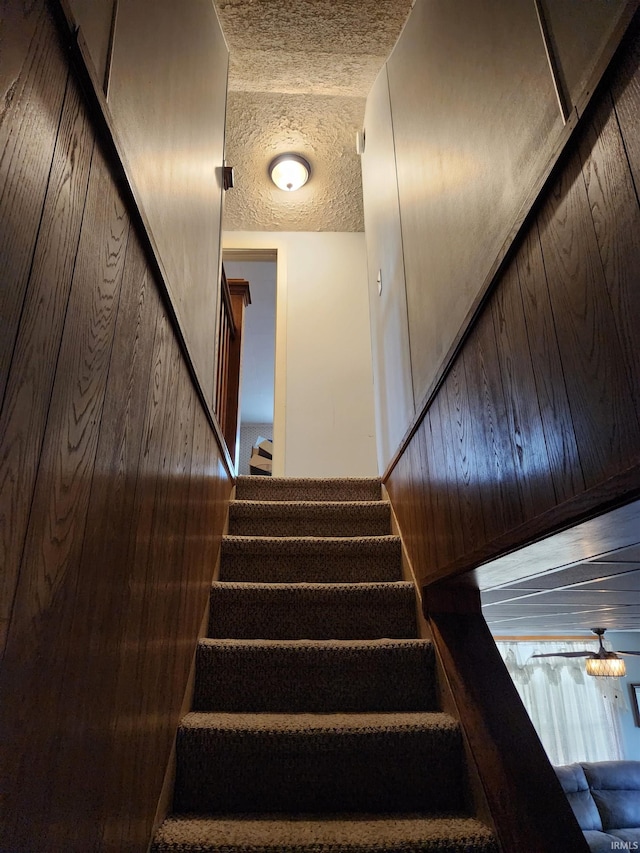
315 726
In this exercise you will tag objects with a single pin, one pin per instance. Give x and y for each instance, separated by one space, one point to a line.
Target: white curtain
576 716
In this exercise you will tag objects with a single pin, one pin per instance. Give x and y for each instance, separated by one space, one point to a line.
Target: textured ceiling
300 71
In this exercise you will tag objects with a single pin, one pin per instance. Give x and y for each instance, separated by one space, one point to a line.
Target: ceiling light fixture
608 667
289 172
601 663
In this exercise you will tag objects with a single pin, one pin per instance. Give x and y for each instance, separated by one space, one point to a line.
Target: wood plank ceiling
569 583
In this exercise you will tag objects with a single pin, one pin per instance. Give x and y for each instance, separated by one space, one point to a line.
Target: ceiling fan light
289 172
607 667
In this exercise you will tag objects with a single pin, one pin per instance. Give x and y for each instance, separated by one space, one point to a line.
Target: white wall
629 640
394 402
323 416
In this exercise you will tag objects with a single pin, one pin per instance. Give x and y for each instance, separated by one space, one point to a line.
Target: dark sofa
605 798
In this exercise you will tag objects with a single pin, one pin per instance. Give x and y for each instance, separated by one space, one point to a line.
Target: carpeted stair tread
315 675
315 726
311 559
309 518
289 611
307 489
372 762
343 833
322 726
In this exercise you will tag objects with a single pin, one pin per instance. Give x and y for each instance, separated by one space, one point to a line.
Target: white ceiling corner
300 71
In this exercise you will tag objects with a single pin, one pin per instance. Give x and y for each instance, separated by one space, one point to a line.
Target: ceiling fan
602 662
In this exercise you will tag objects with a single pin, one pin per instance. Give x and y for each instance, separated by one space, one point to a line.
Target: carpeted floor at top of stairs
315 725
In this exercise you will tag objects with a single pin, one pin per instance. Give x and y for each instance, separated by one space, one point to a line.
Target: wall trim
573 125
81 65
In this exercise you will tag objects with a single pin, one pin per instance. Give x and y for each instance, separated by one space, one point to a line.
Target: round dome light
289 172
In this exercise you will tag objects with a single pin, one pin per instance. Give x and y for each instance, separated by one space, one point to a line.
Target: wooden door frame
243 246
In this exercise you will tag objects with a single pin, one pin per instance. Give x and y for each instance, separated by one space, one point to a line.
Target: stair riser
288 613
370 523
232 679
291 489
402 773
311 567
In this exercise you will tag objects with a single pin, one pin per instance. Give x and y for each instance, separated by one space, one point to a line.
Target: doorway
257 384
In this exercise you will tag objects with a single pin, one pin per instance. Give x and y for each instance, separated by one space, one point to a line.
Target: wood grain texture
102 591
112 475
33 77
69 450
440 450
464 172
604 417
523 422
535 425
616 218
559 433
456 409
28 392
172 135
123 772
500 505
412 498
625 90
509 757
51 560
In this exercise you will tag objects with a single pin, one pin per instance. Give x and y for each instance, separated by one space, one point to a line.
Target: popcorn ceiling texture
300 72
262 125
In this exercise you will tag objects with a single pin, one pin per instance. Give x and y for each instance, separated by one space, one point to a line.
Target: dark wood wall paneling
112 485
539 412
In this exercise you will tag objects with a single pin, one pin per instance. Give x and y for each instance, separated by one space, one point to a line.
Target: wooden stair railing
235 297
529 809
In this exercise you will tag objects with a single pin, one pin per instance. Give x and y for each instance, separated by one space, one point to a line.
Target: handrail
234 298
226 304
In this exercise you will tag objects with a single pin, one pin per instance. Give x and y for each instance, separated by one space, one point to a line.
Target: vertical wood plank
123 826
625 90
445 515
33 77
524 424
616 217
49 572
101 596
557 424
172 620
459 413
142 786
28 392
500 500
411 497
447 411
604 417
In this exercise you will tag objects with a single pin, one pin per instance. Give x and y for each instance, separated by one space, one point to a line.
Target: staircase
315 726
